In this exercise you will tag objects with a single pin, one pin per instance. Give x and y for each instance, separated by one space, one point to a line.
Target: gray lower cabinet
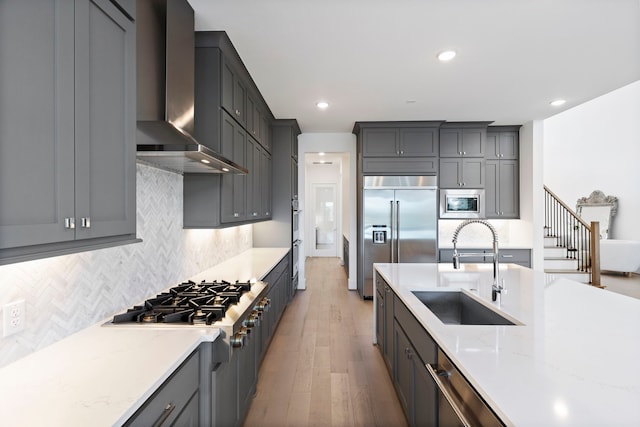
67 127
176 402
410 348
502 195
224 399
384 334
512 256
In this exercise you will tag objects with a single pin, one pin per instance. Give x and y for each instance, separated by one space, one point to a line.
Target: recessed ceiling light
446 55
205 161
558 102
322 105
320 154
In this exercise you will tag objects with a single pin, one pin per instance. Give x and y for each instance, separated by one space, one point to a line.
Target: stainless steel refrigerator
399 223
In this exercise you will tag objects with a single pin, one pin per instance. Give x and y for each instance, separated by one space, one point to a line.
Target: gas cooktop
188 303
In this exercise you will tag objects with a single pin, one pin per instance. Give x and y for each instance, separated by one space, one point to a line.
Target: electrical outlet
13 316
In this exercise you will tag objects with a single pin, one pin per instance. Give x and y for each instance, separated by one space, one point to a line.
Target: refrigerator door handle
391 222
398 231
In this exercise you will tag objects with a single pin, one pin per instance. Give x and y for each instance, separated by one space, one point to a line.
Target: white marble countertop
573 361
101 375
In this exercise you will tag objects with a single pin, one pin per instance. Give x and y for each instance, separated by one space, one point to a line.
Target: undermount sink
457 308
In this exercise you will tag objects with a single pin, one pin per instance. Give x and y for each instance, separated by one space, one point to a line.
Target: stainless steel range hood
165 90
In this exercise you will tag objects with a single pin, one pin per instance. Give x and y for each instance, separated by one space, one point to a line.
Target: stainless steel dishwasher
458 403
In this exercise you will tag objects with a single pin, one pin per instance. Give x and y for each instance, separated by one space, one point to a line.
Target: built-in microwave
462 204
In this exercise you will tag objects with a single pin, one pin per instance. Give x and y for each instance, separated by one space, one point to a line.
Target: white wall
331 143
596 146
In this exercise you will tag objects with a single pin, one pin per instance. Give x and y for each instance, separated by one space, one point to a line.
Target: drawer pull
507 256
165 414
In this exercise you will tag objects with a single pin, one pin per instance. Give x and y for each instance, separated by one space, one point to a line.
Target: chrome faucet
497 287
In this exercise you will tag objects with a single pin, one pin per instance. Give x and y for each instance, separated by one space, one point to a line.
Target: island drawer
424 345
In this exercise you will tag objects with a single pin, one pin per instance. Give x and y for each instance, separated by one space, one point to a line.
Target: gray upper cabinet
502 172
463 140
462 173
232 118
398 147
502 194
284 173
502 144
67 127
234 92
396 142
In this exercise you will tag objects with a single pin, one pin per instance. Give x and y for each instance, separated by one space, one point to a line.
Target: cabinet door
462 142
502 189
473 142
389 353
418 142
265 183
225 393
502 145
380 142
254 187
508 189
265 132
473 172
450 142
36 122
104 120
233 187
492 188
239 100
227 77
403 370
425 397
450 173
380 322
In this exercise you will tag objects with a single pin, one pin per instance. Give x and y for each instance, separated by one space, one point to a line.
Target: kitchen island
101 375
571 359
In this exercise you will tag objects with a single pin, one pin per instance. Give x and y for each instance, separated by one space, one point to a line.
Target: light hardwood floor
321 368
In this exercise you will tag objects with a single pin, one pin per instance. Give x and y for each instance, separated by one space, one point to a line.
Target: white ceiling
368 58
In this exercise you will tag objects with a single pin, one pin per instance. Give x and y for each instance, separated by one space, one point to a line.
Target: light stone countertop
573 361
101 375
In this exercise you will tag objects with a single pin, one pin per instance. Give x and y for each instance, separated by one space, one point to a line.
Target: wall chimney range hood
166 88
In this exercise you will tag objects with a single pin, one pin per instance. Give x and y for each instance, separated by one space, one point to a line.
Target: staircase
570 251
560 260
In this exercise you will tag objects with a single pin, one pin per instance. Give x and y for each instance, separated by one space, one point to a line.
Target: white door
324 220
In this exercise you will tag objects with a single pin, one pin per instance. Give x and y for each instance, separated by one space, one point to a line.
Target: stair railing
581 240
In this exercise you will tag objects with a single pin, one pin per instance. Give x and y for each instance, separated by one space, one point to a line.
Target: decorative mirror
598 207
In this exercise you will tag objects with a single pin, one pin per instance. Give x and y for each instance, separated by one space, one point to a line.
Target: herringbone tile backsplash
68 293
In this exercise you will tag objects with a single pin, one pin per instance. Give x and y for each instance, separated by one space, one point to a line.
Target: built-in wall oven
296 242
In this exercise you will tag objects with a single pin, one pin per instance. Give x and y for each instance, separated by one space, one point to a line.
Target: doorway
324 219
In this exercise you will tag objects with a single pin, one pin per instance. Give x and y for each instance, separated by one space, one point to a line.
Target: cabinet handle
507 256
85 222
237 112
165 414
236 214
70 223
464 153
460 153
401 152
255 214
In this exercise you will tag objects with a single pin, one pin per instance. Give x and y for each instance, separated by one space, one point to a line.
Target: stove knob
264 304
251 321
237 340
